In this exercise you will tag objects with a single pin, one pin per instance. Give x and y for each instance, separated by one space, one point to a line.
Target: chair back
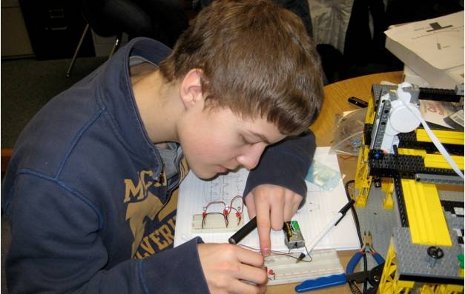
93 12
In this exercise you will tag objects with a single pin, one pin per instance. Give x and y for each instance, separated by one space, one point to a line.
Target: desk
336 95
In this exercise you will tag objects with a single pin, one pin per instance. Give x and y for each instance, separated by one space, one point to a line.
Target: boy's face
216 141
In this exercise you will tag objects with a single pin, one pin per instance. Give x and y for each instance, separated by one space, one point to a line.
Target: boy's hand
273 205
232 269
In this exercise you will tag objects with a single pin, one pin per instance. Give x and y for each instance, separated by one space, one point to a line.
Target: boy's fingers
251 268
251 274
250 207
277 217
250 257
264 228
291 205
265 241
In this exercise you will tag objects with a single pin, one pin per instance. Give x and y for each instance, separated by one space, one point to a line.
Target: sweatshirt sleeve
285 164
57 247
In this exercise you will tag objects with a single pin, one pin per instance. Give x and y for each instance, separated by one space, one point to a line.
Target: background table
335 102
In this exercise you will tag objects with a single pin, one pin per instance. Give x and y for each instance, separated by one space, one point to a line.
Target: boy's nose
250 158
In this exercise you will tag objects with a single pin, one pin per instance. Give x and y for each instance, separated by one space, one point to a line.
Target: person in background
91 189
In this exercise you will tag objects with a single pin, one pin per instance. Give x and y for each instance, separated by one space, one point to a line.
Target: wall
15 40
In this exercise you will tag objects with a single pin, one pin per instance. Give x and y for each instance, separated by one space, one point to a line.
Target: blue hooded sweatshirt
91 206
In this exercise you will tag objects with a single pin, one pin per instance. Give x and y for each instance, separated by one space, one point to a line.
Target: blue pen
320 283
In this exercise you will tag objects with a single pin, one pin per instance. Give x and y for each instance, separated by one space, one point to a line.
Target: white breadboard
215 223
283 269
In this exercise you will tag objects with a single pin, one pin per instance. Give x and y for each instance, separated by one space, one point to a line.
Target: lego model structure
410 162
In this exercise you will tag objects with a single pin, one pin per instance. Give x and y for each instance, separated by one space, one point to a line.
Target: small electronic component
358 102
292 235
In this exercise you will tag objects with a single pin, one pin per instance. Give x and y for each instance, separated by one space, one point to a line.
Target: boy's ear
191 87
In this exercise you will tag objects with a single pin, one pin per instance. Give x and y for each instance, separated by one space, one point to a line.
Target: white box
432 48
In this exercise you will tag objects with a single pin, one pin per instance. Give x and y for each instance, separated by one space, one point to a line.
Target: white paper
320 208
436 111
439 41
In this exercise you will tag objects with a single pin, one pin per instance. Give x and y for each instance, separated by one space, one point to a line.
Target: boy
90 188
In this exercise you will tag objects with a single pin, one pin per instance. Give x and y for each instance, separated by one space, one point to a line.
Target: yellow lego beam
433 160
371 112
438 161
362 178
426 218
445 137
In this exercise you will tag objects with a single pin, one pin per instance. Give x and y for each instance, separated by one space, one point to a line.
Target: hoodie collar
117 96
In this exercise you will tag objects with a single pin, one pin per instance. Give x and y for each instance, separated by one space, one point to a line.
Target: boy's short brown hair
257 60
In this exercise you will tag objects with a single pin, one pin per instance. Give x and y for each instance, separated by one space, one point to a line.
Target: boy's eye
247 141
252 141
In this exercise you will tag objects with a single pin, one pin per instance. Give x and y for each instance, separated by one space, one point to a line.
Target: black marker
357 101
244 231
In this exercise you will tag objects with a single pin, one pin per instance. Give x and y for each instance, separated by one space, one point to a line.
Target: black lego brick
405 166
